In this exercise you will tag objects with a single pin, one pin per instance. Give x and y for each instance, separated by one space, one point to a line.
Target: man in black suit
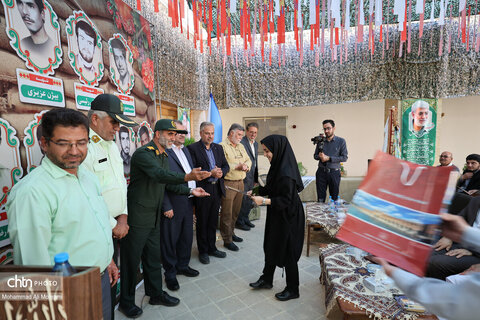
210 157
177 231
450 257
248 141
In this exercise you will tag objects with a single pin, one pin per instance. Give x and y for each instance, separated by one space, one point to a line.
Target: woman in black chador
284 228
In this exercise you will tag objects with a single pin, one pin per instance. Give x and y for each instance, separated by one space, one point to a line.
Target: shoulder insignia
150 148
157 152
95 138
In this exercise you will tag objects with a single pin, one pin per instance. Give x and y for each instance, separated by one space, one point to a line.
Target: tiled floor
221 290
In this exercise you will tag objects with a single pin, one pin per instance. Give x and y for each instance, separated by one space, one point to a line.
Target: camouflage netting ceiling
388 17
184 75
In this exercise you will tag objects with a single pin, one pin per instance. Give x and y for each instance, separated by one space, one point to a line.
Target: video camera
320 141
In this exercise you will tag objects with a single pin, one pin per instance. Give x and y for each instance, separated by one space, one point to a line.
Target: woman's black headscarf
284 163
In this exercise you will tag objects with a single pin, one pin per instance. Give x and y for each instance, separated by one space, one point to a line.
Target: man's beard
85 57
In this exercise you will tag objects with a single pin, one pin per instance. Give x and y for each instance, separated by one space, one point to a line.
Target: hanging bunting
432 12
281 26
468 29
312 19
361 22
409 36
181 4
333 16
317 25
420 28
378 13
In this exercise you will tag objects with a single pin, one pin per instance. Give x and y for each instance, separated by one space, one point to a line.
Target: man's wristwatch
191 192
264 201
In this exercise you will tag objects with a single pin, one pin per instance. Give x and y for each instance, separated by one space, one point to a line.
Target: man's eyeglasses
68 145
443 156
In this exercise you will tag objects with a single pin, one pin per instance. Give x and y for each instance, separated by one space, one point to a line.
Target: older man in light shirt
240 163
103 159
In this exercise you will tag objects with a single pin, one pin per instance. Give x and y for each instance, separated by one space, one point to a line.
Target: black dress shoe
165 300
189 272
131 312
236 239
172 284
231 246
218 254
287 295
242 226
249 224
261 284
203 257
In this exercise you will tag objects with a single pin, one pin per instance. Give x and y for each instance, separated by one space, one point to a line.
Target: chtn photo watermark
27 286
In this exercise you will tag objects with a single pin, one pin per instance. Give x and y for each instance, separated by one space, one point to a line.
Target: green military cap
112 105
169 125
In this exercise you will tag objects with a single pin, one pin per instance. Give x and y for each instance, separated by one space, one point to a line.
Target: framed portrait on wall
84 48
34 33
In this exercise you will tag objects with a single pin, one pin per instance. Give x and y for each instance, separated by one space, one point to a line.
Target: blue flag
214 117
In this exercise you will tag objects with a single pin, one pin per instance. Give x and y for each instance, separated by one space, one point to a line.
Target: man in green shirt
149 176
58 207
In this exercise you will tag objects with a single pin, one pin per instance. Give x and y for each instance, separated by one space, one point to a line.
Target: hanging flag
312 18
335 11
214 117
233 6
432 12
378 13
443 7
347 15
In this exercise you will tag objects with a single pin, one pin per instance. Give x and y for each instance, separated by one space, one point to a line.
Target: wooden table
343 277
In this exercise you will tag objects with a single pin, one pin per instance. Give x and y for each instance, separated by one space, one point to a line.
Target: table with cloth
342 274
322 215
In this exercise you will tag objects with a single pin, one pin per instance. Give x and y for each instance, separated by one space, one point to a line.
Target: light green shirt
103 159
51 211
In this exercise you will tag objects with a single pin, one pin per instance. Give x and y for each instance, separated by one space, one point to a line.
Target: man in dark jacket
209 156
469 182
177 231
452 258
248 141
149 175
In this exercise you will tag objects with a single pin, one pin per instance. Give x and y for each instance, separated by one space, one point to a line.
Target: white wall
459 131
361 124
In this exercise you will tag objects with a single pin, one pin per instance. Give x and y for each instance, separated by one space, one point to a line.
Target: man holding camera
330 150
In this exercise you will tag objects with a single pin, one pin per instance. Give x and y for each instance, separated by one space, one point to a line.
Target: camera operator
330 150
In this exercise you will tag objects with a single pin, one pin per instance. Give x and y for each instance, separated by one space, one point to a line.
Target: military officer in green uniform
150 175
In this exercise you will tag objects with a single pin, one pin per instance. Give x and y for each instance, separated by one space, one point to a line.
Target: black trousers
327 177
106 298
206 211
291 269
176 240
441 266
247 203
